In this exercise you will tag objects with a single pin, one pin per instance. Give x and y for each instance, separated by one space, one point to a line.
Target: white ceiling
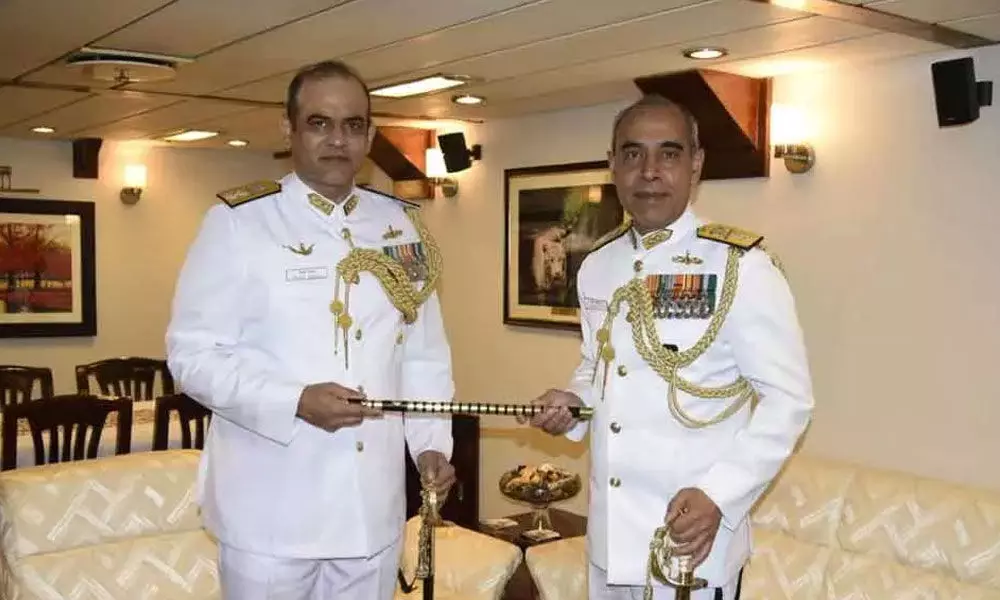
524 55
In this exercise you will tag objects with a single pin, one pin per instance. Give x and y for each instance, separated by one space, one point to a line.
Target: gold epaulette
251 191
612 235
405 203
727 234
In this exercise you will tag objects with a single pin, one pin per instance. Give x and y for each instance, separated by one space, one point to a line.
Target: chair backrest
132 377
74 424
190 415
18 383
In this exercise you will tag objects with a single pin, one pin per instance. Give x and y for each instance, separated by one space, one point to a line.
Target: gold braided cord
666 362
391 275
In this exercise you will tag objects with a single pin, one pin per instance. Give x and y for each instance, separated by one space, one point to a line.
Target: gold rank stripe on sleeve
243 194
734 236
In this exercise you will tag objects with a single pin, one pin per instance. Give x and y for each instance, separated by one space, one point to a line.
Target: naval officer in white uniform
295 296
694 361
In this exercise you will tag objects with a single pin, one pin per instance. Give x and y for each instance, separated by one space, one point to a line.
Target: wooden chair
132 377
18 383
189 414
74 423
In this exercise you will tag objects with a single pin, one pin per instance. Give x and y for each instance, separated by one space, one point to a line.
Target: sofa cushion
70 505
806 500
467 564
171 566
784 568
560 568
938 527
860 577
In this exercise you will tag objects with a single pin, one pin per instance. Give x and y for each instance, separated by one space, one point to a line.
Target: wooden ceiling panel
785 36
173 117
339 31
936 11
855 51
36 32
207 25
663 30
100 109
269 89
520 26
18 104
987 26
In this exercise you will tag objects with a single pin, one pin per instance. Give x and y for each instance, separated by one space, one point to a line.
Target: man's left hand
435 469
693 520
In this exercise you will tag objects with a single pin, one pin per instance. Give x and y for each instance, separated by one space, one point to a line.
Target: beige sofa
128 528
829 530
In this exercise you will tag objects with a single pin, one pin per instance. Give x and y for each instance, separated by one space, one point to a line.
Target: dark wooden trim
732 113
890 23
392 161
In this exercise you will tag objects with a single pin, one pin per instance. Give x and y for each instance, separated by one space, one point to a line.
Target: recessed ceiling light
707 53
191 136
237 143
43 130
468 99
426 85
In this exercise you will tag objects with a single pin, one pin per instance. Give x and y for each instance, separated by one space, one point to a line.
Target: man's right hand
555 419
326 406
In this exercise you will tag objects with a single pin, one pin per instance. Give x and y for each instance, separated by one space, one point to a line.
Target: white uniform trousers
600 590
249 576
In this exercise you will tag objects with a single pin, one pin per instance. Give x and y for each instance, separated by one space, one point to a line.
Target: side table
521 586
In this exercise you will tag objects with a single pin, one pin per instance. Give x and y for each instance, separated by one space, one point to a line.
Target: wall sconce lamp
135 182
788 136
437 173
798 158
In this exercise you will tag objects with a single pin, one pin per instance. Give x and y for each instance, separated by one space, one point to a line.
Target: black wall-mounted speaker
457 156
957 95
86 154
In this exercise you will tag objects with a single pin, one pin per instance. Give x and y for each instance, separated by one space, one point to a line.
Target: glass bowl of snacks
539 486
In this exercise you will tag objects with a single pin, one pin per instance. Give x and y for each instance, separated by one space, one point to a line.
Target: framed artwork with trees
47 271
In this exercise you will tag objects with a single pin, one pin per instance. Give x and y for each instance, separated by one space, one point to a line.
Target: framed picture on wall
555 213
47 274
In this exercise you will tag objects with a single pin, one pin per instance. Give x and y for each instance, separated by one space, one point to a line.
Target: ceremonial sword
583 413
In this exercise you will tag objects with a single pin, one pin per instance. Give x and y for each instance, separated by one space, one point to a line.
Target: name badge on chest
306 273
683 296
411 257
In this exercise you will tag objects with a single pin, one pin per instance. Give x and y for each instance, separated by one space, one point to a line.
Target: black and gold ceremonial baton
583 413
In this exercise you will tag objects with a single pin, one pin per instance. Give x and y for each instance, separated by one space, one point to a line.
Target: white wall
139 248
889 243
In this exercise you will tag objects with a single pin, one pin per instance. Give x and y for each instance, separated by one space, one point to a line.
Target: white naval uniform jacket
252 326
641 456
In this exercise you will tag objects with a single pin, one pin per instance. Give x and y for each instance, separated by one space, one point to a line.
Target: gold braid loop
403 295
667 363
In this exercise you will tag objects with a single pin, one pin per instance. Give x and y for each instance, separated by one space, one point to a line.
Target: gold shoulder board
611 236
727 234
251 191
405 203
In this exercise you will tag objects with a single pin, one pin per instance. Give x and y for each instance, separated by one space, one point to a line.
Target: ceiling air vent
120 67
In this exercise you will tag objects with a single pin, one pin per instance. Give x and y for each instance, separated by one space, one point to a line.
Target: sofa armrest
559 568
467 564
